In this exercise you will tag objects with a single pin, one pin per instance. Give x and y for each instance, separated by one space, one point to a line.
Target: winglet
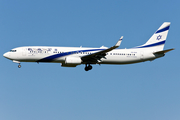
119 42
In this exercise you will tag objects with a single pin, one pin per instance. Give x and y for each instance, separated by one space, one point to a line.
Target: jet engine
71 62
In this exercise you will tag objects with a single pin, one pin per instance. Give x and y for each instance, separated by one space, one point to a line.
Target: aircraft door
142 55
23 51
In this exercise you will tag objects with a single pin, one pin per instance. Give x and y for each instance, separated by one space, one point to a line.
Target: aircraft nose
6 55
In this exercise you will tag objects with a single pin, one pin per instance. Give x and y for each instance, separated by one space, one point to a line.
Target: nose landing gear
19 66
88 67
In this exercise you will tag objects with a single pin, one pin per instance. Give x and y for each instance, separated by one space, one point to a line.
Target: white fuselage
59 54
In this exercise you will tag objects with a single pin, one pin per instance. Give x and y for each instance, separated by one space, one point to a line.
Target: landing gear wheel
19 66
87 68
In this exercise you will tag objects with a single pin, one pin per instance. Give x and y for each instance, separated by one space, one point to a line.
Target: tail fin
158 39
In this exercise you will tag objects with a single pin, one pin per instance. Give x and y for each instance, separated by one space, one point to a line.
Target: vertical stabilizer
158 39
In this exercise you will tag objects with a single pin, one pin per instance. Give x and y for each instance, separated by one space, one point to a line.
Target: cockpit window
12 50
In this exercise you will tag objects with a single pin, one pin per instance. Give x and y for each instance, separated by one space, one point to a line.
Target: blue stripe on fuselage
52 57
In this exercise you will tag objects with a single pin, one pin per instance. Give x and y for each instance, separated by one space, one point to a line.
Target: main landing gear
88 67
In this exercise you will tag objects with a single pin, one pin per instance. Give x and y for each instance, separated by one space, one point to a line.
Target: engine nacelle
73 60
68 65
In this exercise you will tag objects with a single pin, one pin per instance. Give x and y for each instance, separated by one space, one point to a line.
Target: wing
96 57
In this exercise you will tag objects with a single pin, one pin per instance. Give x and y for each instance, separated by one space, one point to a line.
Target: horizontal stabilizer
164 51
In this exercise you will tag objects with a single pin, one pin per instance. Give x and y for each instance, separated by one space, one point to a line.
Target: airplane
73 56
